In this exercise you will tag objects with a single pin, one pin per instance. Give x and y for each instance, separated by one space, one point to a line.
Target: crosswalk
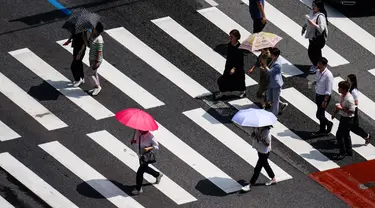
197 117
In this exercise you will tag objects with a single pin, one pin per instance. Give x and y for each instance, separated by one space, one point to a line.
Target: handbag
147 157
319 39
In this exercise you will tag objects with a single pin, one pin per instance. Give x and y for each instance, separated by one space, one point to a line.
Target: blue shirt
254 11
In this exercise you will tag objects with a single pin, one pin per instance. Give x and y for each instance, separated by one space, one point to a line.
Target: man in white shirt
323 89
346 108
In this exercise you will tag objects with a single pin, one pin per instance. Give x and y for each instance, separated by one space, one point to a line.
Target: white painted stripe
308 107
212 2
292 141
33 182
29 104
93 178
6 133
130 158
122 82
365 104
226 24
372 71
293 29
232 140
4 203
159 63
196 160
195 45
61 83
347 26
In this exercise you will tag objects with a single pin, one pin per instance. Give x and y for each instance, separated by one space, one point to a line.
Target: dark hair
322 9
99 27
345 85
235 33
275 51
353 82
323 60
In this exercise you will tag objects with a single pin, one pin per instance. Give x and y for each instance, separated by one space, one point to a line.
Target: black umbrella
84 21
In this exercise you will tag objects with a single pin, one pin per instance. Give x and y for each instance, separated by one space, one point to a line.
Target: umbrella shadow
206 187
86 188
43 91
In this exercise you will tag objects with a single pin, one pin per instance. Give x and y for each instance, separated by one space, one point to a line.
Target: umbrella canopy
137 119
81 22
254 118
259 41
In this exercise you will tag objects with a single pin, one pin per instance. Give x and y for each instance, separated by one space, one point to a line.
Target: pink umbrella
137 119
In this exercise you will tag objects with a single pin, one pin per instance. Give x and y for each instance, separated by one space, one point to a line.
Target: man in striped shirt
95 42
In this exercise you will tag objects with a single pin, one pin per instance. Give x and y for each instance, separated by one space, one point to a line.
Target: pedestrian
323 89
262 143
256 8
95 43
352 79
316 31
233 79
79 48
146 144
346 108
276 81
264 79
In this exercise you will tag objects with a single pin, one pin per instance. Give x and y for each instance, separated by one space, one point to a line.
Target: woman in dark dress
233 79
79 49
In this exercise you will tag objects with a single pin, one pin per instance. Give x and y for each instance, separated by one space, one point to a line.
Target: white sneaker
159 178
96 91
246 188
273 181
78 83
136 192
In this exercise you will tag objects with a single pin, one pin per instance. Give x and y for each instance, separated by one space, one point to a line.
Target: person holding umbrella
262 121
79 49
143 123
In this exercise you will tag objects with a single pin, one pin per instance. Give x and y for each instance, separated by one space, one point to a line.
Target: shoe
283 106
78 83
136 192
329 127
339 157
273 181
242 94
368 139
319 133
246 188
159 178
96 91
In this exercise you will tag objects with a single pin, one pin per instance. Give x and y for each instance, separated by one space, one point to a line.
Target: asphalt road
36 25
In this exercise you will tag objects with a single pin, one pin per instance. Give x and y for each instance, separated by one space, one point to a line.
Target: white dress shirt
146 140
324 82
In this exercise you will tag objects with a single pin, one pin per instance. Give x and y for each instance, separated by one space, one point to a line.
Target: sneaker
159 178
273 181
283 106
96 91
246 188
136 192
78 83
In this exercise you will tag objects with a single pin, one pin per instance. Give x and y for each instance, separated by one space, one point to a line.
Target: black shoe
319 133
339 157
329 127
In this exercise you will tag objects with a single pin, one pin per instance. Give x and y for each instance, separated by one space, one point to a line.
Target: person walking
233 78
264 79
276 81
256 8
262 143
355 128
95 43
146 143
79 48
346 108
316 31
323 90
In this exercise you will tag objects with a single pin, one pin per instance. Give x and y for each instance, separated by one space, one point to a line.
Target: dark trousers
258 25
321 112
143 168
262 163
355 128
343 137
315 51
77 65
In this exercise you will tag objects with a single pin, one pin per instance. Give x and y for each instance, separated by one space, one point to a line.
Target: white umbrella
254 118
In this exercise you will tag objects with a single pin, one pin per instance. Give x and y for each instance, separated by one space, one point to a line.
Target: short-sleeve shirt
96 45
254 11
355 94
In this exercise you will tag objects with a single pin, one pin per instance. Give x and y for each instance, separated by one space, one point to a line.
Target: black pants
343 137
315 51
355 128
77 66
321 112
262 163
143 168
258 25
